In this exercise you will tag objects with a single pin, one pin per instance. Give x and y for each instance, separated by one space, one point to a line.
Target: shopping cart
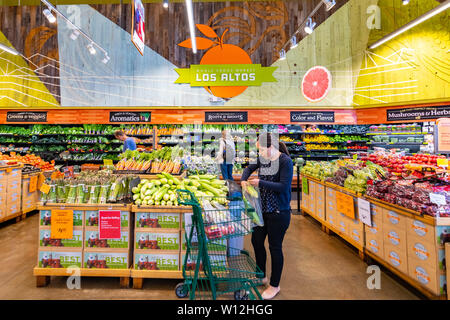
210 267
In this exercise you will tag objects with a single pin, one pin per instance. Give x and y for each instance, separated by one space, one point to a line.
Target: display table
84 254
409 244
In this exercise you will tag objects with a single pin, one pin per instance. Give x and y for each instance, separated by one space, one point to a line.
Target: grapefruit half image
316 84
220 53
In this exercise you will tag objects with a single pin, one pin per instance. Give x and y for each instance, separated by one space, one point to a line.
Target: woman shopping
274 181
226 155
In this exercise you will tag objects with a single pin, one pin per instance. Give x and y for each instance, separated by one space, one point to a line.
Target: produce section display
30 159
167 159
88 188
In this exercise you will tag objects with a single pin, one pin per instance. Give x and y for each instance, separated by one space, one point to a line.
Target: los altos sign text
230 75
418 113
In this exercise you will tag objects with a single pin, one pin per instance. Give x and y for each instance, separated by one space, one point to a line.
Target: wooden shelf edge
13 216
157 274
84 272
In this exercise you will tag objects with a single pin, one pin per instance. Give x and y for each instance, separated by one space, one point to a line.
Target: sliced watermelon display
316 84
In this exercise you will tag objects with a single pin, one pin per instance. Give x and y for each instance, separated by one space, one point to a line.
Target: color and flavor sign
418 113
105 260
156 261
229 75
157 241
130 116
27 116
312 116
45 240
57 259
229 116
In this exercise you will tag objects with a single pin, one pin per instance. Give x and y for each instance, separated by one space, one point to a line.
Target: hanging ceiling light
440 8
74 35
294 42
105 59
405 2
310 25
329 4
8 49
48 14
91 48
190 13
166 4
282 54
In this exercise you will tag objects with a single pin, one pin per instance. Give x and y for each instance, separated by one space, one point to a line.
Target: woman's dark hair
267 140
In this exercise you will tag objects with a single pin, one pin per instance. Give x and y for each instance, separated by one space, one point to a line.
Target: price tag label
32 187
305 185
45 188
41 180
345 204
62 224
364 212
438 199
107 162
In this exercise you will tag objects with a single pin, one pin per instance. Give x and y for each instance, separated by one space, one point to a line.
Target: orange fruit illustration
220 53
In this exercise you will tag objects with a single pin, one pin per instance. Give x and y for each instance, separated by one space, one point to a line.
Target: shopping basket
210 267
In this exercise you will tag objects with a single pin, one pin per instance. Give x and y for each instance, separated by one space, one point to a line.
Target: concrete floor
317 266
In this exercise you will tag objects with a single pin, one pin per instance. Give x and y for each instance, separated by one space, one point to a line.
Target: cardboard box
377 212
394 219
92 239
2 212
320 211
167 239
3 199
45 218
13 196
151 260
427 276
374 243
395 237
46 241
395 257
3 185
15 185
218 262
14 174
111 259
376 229
356 231
343 223
330 194
332 218
428 252
416 228
59 258
165 220
3 176
320 201
91 218
28 205
312 202
13 207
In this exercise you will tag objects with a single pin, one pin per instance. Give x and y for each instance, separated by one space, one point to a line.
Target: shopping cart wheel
181 290
240 295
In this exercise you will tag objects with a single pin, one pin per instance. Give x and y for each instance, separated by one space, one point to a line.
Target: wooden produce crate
11 193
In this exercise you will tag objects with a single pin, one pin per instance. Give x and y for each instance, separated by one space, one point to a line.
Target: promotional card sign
109 224
62 224
364 212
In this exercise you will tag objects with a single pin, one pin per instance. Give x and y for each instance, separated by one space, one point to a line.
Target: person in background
226 155
274 181
128 142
